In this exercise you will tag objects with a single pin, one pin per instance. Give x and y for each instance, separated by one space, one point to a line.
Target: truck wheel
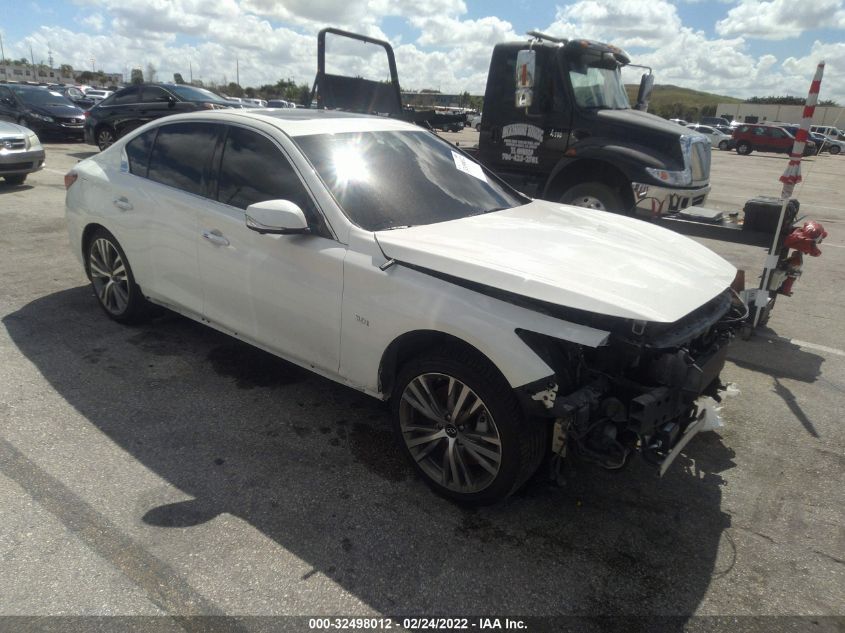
594 195
461 427
743 148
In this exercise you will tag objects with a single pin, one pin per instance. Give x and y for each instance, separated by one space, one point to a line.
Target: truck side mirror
526 61
644 93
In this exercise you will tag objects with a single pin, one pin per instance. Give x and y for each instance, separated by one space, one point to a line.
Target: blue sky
740 47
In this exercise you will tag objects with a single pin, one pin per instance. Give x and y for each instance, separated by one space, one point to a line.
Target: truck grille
700 161
12 143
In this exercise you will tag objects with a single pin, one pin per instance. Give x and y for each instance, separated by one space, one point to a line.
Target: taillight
70 178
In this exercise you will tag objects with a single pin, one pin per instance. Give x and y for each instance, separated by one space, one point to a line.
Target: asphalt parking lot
169 470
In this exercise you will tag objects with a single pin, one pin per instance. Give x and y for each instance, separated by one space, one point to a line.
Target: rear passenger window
180 156
253 170
127 95
154 94
138 152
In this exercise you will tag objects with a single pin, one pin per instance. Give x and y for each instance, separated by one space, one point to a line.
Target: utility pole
31 56
50 55
191 72
237 72
2 52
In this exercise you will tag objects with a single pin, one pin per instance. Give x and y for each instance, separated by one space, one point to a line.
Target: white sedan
502 329
717 138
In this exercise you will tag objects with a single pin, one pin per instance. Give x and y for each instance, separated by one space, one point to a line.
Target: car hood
59 110
10 129
570 256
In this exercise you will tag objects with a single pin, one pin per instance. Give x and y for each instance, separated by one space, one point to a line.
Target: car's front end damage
648 390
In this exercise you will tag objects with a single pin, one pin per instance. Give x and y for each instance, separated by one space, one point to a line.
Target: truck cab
558 125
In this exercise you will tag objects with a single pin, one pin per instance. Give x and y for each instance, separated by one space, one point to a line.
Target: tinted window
253 169
127 95
181 154
150 94
390 179
138 152
5 93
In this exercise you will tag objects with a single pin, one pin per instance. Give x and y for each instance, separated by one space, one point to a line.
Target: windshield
598 88
38 96
195 94
385 180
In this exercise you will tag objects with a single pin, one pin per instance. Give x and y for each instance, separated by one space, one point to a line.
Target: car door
179 175
779 140
281 291
118 112
8 105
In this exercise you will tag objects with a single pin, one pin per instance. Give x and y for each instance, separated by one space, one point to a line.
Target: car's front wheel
17 179
105 137
743 148
112 279
834 149
462 428
723 145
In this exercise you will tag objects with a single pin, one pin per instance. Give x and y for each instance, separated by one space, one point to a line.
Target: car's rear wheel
478 127
17 179
594 195
723 145
105 137
743 148
112 279
834 149
461 427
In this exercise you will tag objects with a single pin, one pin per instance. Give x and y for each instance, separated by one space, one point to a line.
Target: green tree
234 90
137 76
177 78
151 73
304 96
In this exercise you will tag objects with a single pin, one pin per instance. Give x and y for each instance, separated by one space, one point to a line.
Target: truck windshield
598 88
391 179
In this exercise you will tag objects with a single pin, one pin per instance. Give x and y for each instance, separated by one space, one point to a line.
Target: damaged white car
368 250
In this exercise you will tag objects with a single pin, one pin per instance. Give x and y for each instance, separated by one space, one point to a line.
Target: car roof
305 122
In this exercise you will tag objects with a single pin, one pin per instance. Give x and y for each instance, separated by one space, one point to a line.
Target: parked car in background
679 122
135 105
254 103
827 130
280 103
45 112
714 121
74 95
474 122
98 95
717 138
750 137
372 252
725 129
21 153
823 143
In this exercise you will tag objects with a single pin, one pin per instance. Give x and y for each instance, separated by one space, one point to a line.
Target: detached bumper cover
651 198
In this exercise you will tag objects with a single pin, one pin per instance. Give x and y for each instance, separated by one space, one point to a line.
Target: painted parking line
54 171
814 346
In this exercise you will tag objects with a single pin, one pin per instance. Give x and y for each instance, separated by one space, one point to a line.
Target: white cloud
781 19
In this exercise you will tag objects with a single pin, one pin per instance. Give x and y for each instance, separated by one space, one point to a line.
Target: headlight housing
676 178
40 117
32 141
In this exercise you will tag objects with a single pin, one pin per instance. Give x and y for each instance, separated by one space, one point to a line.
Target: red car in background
765 138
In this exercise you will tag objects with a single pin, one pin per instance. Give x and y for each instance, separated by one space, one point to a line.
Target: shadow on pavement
312 465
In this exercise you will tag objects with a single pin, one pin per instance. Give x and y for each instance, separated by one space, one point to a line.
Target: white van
827 130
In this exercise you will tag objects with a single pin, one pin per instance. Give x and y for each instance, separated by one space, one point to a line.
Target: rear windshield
385 180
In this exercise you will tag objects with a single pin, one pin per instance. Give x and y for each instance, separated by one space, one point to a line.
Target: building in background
763 113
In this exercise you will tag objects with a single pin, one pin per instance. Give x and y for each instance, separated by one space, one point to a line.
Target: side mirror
276 217
7 101
644 93
526 63
171 102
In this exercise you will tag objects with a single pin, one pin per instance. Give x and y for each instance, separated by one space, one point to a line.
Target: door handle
215 237
123 204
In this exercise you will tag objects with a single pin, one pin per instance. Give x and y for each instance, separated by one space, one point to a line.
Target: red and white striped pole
792 174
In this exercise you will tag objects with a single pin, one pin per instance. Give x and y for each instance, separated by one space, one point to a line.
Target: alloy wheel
450 433
105 138
108 275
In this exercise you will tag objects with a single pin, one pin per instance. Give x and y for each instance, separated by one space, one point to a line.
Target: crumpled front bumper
656 200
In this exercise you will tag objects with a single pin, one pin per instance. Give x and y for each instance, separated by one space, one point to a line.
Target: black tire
743 148
117 293
104 136
723 145
834 149
594 195
17 179
521 442
478 127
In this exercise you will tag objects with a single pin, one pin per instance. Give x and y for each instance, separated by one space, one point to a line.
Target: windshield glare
598 88
37 96
195 94
385 180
